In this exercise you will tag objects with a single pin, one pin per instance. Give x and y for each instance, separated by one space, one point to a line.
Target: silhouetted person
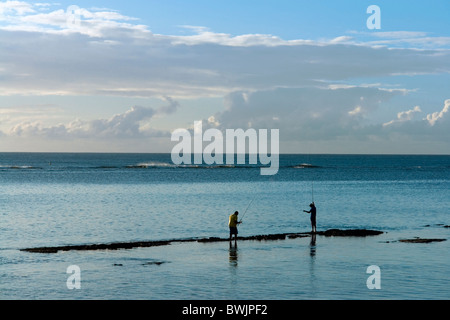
313 217
232 223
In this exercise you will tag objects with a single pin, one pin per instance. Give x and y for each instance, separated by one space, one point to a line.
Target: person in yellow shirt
232 223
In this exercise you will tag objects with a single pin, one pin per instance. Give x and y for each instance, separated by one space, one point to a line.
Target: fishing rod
248 206
312 179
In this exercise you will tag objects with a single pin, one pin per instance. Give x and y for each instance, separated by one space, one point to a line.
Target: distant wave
212 166
143 165
304 166
170 165
152 164
19 167
156 164
106 167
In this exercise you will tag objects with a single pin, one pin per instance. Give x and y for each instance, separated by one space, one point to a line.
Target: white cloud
355 111
127 62
212 120
32 121
422 42
333 118
15 7
110 55
205 36
22 16
438 116
398 34
267 81
127 125
171 106
404 116
341 39
304 113
401 39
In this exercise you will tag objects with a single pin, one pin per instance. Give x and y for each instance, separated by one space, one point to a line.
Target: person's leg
233 230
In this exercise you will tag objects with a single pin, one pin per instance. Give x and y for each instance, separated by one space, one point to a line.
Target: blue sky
131 72
285 18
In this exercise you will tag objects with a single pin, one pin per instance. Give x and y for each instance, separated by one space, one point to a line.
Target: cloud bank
105 54
127 125
319 115
300 86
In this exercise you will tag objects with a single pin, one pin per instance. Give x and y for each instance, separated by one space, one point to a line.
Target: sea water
53 199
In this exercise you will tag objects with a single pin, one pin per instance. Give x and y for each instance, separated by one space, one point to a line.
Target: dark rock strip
266 237
145 244
351 233
104 246
156 263
421 240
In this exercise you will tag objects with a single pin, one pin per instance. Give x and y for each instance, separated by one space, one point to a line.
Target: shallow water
82 199
291 269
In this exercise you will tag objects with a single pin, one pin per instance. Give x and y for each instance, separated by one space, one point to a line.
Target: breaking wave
15 167
147 165
152 164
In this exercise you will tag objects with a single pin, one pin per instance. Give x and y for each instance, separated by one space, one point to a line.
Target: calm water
58 199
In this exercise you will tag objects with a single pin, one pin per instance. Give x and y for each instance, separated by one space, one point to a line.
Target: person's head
236 213
311 205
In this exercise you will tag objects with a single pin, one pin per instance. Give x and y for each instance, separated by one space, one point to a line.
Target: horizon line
280 153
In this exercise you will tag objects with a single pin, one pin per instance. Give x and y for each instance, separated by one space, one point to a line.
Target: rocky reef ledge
145 244
421 240
351 233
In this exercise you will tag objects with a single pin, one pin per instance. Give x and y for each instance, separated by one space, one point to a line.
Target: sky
121 76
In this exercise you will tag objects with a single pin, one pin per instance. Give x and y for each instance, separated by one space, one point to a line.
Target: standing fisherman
313 217
232 223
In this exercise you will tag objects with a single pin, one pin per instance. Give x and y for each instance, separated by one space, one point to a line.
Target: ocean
55 199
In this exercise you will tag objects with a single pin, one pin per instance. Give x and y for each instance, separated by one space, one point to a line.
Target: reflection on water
233 254
312 246
312 275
